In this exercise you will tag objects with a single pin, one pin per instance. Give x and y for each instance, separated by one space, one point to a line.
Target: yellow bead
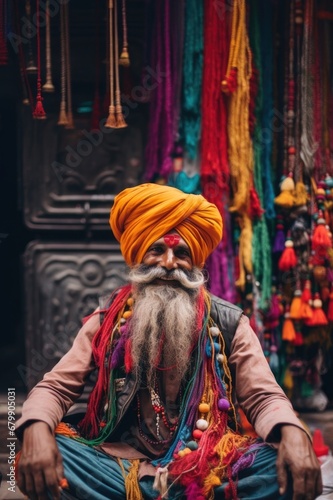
127 314
204 407
130 301
186 451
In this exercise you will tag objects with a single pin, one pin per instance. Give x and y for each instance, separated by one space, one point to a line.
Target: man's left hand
296 455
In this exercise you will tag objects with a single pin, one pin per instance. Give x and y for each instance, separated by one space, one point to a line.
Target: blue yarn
266 49
186 183
190 118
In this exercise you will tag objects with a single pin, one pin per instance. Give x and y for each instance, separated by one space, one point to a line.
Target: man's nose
169 260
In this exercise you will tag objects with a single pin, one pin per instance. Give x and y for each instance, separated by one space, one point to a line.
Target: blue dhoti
92 474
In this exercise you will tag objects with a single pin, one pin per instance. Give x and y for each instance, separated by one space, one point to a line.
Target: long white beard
163 325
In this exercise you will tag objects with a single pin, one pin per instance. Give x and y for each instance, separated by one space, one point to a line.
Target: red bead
197 433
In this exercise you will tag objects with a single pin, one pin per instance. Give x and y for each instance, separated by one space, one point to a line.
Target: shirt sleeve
51 398
259 395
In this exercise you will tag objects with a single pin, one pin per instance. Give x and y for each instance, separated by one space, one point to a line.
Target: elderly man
160 421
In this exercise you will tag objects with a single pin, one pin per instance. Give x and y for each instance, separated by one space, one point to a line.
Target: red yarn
128 356
100 343
318 318
288 259
214 143
255 206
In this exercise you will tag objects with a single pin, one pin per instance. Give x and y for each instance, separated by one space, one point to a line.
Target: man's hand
296 455
40 466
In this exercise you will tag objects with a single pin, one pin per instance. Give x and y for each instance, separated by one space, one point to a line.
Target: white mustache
146 274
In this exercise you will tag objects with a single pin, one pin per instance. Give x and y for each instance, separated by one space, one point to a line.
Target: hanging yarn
318 317
164 105
70 120
296 304
214 146
288 328
39 112
190 119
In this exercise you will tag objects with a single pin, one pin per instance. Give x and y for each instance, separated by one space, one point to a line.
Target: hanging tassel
48 85
318 316
299 233
288 259
280 238
62 120
300 195
296 304
39 112
128 361
288 329
124 56
285 198
321 238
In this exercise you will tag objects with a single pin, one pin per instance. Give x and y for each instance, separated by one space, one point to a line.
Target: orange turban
143 214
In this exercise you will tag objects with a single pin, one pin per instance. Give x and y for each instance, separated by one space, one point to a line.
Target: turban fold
142 214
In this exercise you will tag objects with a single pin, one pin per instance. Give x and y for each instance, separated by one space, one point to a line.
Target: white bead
201 424
214 331
220 358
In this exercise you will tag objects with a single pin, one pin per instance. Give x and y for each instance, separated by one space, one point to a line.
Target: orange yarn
288 330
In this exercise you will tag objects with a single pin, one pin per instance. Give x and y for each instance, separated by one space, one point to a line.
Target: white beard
163 325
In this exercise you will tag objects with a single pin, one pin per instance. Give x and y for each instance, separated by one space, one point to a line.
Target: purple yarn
118 354
279 241
164 105
247 459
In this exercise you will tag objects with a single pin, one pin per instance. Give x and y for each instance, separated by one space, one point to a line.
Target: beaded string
62 120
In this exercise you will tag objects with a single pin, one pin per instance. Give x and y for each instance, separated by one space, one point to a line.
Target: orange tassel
318 315
295 308
306 311
288 329
288 259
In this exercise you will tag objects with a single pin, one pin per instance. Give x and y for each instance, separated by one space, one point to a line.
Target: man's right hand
40 465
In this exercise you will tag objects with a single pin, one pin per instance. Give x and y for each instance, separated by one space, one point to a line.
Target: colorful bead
220 358
223 404
204 407
197 433
214 331
127 314
192 445
217 347
201 424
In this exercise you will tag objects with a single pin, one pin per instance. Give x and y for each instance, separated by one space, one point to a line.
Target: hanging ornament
39 112
115 118
295 308
280 237
288 259
299 233
48 85
124 56
286 198
70 121
288 329
321 239
31 67
63 120
318 316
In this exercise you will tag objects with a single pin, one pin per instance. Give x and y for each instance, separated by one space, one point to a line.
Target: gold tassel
111 121
62 115
124 58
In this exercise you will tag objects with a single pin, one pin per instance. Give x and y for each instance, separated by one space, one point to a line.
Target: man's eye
156 249
183 253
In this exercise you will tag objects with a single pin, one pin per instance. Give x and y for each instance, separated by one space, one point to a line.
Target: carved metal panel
70 176
63 283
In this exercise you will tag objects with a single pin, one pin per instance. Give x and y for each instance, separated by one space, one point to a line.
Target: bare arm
40 465
295 454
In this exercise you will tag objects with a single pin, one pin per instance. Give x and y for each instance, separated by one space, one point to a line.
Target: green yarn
261 245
